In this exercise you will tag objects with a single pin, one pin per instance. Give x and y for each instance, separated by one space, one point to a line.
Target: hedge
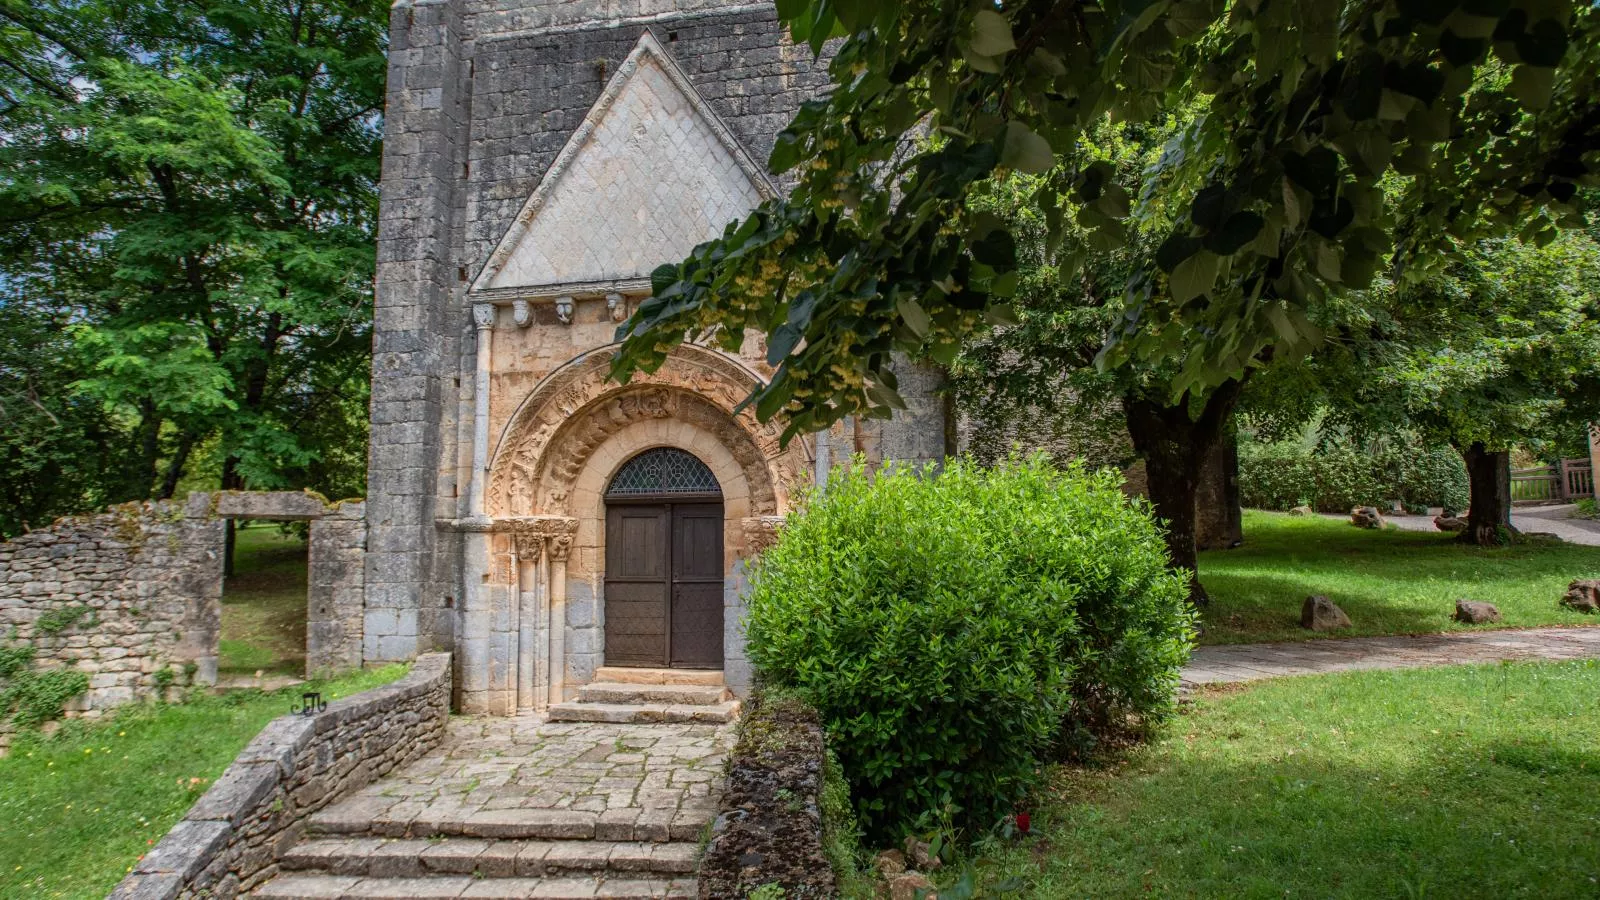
1333 479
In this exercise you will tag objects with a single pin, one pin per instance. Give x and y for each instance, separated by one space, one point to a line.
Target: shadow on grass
1472 819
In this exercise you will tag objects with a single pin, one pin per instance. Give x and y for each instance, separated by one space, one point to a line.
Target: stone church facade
541 158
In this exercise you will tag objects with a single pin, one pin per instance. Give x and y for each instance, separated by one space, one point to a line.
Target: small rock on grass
1302 511
890 863
1319 613
907 886
1366 517
1474 612
1583 596
1452 524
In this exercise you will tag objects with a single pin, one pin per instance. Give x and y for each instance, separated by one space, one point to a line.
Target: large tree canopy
188 190
1329 139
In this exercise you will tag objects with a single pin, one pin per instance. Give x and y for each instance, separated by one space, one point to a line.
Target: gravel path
1230 663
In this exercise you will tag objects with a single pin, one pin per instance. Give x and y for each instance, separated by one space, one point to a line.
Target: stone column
556 621
483 321
532 619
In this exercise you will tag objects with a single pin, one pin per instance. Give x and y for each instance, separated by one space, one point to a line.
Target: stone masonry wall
336 606
140 586
230 840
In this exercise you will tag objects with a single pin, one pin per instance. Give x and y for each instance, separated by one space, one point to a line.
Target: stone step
652 825
411 858
337 887
634 694
634 675
642 713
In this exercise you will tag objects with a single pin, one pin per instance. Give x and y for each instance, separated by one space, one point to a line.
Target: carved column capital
560 547
483 316
760 532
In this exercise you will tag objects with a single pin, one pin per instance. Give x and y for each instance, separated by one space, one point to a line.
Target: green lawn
1460 782
264 604
79 808
1389 582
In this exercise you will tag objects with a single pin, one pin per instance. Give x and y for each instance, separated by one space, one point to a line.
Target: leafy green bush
1333 479
954 631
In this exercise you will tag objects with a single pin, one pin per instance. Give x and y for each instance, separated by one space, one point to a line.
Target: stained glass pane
665 470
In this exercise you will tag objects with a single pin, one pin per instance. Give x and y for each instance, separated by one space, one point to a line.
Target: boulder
920 854
911 886
1473 612
1583 595
1319 613
889 863
1453 524
1302 511
1366 517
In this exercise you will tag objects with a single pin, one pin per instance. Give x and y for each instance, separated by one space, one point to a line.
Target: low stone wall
231 839
770 827
130 597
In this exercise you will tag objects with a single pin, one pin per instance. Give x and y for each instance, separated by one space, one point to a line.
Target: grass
1389 582
264 604
1457 782
79 808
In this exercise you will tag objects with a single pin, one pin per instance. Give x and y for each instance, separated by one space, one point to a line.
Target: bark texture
1489 480
1175 446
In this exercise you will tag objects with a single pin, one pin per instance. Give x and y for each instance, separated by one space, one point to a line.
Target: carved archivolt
573 412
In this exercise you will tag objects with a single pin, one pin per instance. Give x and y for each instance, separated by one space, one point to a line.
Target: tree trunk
1489 512
1219 519
1174 447
175 467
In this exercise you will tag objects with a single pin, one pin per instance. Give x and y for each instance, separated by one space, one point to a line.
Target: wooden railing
1570 479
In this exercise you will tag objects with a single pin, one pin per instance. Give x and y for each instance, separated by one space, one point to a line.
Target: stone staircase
498 854
628 695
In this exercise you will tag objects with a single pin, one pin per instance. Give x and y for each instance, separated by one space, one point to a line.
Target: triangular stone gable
650 173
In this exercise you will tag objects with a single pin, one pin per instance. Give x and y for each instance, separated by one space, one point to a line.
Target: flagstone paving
519 807
1232 663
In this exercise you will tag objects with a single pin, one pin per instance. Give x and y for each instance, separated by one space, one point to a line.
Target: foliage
61 618
1335 477
83 805
189 197
1369 784
1390 582
29 696
952 630
1587 508
1329 139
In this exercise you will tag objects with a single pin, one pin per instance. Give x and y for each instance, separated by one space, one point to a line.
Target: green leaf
991 34
1023 150
1533 85
663 277
915 317
1194 276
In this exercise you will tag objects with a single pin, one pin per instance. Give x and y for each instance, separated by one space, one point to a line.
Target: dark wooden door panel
637 586
696 618
664 583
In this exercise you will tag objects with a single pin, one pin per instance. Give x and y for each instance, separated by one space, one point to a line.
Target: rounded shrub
955 630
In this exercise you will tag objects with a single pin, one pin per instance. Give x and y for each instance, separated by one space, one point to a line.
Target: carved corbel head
521 313
617 306
564 309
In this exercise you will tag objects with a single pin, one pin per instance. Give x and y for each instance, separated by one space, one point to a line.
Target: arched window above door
664 470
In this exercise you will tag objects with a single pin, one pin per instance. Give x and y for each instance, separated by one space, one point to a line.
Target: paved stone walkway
627 782
512 807
1230 663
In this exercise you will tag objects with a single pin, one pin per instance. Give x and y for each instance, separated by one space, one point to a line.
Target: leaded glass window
664 470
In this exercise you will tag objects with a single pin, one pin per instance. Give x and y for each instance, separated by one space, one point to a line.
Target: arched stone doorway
664 563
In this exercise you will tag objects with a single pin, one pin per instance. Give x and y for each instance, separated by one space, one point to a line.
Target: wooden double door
664 581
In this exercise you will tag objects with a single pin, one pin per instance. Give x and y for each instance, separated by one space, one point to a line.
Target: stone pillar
414 314
532 620
475 622
556 621
336 605
483 320
918 434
